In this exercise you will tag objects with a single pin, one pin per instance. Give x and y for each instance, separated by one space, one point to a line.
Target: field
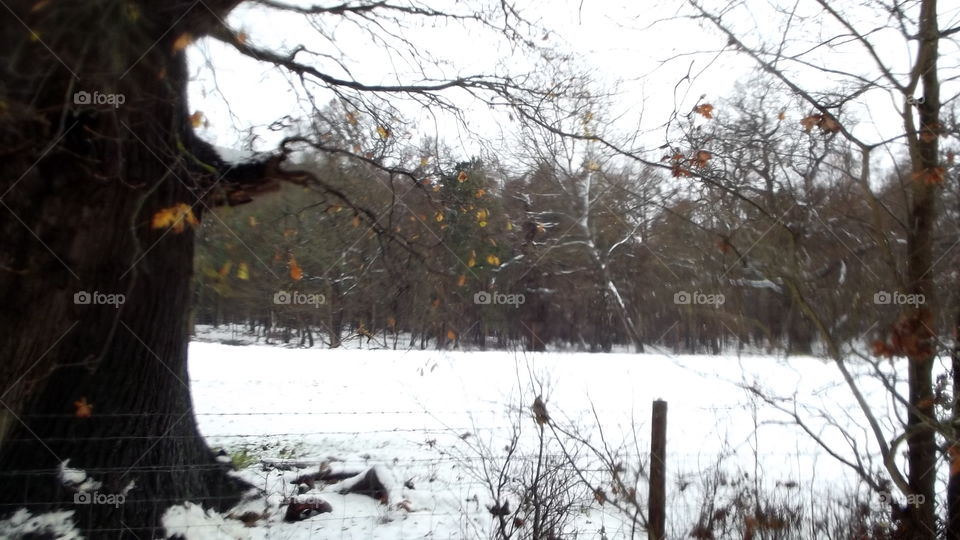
430 419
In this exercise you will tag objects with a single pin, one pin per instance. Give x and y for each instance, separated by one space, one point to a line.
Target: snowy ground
424 418
422 415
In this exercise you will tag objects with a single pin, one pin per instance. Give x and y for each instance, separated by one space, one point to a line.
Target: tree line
567 246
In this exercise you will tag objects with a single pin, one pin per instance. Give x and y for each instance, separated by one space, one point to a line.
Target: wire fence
439 485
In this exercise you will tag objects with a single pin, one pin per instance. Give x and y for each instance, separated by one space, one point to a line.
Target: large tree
103 179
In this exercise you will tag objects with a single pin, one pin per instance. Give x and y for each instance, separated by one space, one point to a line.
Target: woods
781 215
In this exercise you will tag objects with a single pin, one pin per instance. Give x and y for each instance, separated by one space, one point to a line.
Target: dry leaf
174 218
84 409
182 41
705 110
296 273
462 177
461 280
196 119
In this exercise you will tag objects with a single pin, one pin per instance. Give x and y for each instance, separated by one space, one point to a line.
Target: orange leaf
174 218
355 221
182 41
930 176
84 409
461 280
705 110
296 273
451 335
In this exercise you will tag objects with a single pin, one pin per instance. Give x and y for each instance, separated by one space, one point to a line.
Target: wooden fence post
656 502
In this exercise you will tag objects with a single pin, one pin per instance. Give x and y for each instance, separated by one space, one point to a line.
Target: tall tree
103 180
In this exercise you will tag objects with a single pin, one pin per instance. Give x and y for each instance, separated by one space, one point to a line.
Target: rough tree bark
79 184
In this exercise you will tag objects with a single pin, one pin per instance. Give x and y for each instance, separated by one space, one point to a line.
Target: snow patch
78 479
23 524
192 521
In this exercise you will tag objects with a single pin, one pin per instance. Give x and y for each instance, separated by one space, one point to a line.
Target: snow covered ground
424 418
428 421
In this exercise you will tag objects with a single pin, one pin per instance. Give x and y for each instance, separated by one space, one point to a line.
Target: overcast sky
622 44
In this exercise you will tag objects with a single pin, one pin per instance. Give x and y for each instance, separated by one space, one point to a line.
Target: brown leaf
84 409
182 42
705 110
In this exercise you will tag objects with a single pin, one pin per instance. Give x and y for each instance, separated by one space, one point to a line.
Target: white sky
616 41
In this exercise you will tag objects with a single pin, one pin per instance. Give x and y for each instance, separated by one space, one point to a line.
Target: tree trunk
85 377
924 153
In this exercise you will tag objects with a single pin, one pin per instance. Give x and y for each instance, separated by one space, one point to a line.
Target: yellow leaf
243 271
493 260
439 217
509 226
182 41
174 218
296 273
383 132
593 166
472 261
34 36
482 224
196 119
424 161
252 220
84 409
